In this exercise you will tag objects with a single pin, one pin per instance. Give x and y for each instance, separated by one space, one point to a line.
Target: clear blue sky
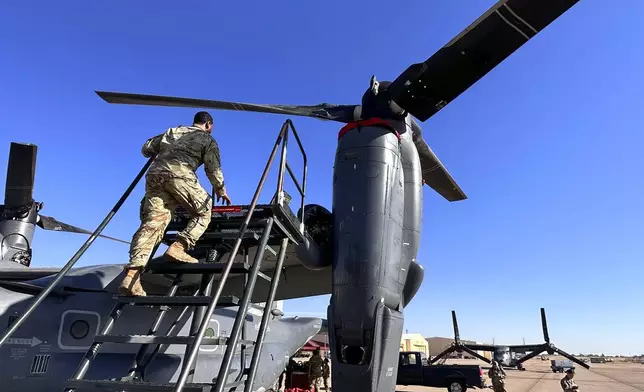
547 146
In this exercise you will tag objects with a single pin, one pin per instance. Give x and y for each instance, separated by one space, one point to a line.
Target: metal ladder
271 224
260 225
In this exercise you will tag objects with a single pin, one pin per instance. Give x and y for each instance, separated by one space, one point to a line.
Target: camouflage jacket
497 375
568 384
180 151
316 366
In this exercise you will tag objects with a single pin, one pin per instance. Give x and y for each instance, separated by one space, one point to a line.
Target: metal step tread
190 300
264 276
169 267
131 386
232 233
152 339
271 250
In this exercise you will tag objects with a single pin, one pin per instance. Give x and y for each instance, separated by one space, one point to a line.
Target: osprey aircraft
504 354
363 253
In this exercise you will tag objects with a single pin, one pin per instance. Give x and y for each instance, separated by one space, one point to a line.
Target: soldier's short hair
202 118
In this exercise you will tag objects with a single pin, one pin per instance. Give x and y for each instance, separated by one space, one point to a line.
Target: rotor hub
377 102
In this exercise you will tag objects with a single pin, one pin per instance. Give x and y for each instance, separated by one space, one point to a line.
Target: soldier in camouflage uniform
326 372
567 383
171 181
316 369
497 375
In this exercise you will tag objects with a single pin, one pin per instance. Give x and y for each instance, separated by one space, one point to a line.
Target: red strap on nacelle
367 123
370 122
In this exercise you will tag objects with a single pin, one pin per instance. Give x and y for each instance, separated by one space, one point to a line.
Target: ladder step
264 276
132 386
234 384
195 268
220 234
152 339
271 250
224 301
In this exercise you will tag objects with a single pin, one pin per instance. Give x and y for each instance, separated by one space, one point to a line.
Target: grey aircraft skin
47 348
382 161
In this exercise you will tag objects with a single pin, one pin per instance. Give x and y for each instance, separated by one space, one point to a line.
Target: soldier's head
570 373
204 121
316 352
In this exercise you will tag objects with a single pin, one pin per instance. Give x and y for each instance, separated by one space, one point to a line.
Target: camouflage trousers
498 386
162 195
314 381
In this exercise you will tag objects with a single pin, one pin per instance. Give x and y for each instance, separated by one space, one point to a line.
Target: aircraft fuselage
46 350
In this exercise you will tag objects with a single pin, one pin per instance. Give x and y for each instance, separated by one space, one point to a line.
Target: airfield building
414 342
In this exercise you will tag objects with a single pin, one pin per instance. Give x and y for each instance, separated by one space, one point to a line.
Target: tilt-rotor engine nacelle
19 213
377 210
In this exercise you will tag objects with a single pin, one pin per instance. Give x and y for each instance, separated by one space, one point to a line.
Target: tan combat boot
177 252
131 284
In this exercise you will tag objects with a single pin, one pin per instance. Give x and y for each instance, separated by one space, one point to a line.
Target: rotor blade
457 335
544 326
571 357
323 111
21 174
435 175
425 88
49 223
444 353
475 354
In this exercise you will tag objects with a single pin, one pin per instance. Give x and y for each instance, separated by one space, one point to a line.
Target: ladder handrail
63 271
301 188
194 348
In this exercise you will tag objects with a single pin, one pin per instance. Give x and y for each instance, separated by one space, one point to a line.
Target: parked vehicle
558 365
413 370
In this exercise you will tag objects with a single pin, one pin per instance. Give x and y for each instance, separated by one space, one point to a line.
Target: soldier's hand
224 198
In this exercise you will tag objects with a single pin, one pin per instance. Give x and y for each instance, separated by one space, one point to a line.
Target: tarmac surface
602 377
